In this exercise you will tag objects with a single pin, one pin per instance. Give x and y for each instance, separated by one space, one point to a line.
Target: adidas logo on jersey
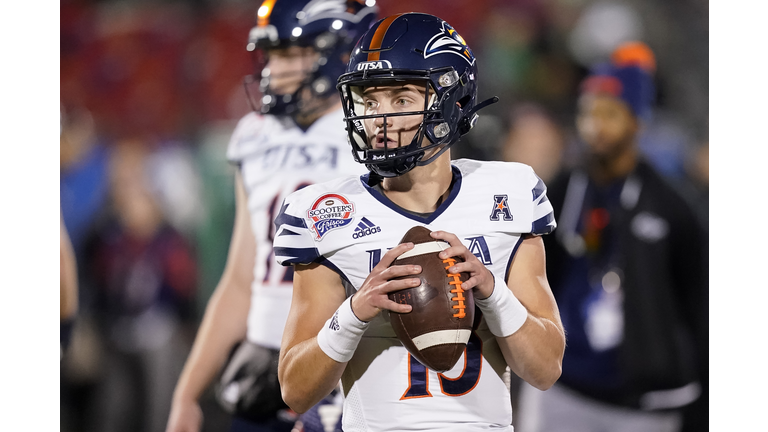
364 228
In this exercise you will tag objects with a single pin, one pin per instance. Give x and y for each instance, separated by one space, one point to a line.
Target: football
438 327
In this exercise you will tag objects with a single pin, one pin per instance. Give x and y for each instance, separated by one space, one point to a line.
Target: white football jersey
348 225
275 158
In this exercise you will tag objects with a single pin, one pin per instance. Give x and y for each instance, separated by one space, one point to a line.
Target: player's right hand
372 297
186 416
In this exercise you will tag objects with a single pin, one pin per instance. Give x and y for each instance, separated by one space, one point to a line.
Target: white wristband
341 333
503 312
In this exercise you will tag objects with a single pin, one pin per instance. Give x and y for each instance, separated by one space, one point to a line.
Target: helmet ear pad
452 122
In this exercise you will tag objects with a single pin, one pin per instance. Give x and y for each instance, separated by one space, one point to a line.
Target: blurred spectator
144 275
173 174
67 288
84 159
535 139
84 190
627 266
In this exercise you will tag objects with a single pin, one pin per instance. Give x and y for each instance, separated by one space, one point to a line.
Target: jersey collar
455 188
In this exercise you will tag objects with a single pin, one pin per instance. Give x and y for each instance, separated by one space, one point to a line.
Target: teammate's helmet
412 47
331 27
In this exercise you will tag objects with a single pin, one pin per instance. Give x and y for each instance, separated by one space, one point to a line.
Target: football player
294 139
409 94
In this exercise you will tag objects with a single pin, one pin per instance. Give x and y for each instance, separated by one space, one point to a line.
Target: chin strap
472 116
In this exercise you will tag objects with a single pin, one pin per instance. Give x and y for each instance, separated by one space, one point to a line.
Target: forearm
523 315
535 352
223 325
323 331
307 375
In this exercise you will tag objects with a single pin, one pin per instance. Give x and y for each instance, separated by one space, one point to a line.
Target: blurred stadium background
151 90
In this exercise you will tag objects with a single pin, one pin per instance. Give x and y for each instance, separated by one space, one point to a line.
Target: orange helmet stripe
265 10
378 37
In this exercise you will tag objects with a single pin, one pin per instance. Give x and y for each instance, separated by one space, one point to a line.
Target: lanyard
573 205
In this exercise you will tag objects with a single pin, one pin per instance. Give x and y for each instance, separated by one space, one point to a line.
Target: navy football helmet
331 27
412 47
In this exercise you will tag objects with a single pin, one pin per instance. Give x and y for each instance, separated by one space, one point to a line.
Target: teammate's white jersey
348 225
276 158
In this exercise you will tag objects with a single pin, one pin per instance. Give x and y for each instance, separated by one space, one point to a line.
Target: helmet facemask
444 91
301 98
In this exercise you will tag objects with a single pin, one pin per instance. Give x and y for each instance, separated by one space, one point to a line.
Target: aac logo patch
500 206
329 212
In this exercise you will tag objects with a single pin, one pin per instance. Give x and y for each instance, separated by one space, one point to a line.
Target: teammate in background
408 95
296 140
68 290
628 269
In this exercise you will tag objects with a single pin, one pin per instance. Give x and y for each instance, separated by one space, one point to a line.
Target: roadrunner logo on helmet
412 47
331 27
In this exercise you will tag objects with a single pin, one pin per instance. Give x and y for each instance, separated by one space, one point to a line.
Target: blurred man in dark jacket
627 266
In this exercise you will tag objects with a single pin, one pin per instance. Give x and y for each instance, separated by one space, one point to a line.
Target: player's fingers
394 306
456 247
449 251
388 258
456 251
466 267
482 281
398 284
470 283
399 308
446 236
399 270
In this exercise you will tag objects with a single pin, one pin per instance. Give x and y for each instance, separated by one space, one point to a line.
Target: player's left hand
481 279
